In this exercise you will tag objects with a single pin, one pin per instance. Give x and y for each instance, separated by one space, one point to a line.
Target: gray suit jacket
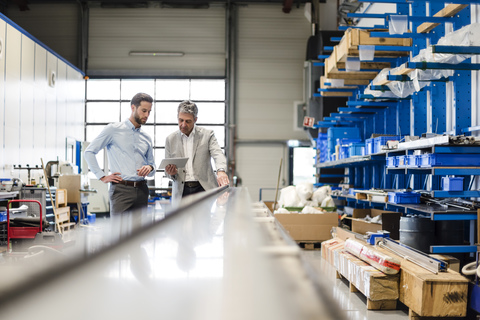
205 147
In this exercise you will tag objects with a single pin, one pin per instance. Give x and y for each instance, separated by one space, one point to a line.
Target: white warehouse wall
36 118
271 53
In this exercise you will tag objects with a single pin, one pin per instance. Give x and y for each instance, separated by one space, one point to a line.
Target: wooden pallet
380 290
323 80
371 196
432 295
402 70
331 70
309 245
372 305
449 11
348 46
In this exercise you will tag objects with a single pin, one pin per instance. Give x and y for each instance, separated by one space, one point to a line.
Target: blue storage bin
412 161
347 141
343 152
381 141
335 133
404 197
91 217
401 161
356 149
452 183
369 146
449 159
322 148
391 162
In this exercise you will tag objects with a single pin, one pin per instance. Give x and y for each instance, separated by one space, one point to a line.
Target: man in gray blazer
199 145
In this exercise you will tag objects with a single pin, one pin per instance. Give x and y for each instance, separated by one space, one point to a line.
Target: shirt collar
131 126
192 134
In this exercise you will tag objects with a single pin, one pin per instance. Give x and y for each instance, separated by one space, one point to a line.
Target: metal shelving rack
422 112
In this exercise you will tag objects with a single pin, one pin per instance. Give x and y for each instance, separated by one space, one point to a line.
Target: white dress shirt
188 151
128 149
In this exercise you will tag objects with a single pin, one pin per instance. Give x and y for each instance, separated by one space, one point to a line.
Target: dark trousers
128 209
124 199
191 190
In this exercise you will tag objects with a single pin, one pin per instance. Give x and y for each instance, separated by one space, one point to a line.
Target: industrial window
108 100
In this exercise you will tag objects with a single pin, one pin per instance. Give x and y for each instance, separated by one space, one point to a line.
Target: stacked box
308 226
335 133
449 159
329 247
378 142
404 197
356 149
374 284
369 146
452 183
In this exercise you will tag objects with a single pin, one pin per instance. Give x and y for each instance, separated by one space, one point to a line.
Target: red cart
22 232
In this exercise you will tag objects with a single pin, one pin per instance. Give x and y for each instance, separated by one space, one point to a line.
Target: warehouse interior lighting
156 54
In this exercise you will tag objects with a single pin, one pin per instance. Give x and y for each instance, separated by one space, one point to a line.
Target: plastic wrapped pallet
383 262
373 283
466 36
329 247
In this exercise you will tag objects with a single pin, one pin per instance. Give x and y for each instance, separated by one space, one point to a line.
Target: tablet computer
179 162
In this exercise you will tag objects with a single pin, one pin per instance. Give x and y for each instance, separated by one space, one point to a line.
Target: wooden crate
432 295
334 93
331 70
381 290
348 46
365 65
309 245
449 11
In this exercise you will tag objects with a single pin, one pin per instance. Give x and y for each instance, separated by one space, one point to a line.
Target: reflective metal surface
214 257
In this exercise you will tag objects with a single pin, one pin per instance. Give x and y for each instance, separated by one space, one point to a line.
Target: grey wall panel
26 102
270 71
75 87
199 33
327 15
51 148
3 31
12 95
258 166
55 26
32 127
61 87
271 52
39 139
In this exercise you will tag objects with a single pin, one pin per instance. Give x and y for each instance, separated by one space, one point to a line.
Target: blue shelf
443 66
455 194
361 110
456 49
453 249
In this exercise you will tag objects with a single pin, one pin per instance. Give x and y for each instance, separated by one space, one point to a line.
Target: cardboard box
374 284
269 205
390 221
308 227
329 247
73 184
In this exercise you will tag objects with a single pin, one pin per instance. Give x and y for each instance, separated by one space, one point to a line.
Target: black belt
134 184
192 184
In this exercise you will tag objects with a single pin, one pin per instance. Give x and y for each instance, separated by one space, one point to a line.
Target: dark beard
138 120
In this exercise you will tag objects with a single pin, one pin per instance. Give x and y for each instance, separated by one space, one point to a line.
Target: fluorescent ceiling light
156 53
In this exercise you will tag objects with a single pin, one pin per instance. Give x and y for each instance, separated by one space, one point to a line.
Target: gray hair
188 106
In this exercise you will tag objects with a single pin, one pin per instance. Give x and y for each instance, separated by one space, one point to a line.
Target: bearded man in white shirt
130 155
